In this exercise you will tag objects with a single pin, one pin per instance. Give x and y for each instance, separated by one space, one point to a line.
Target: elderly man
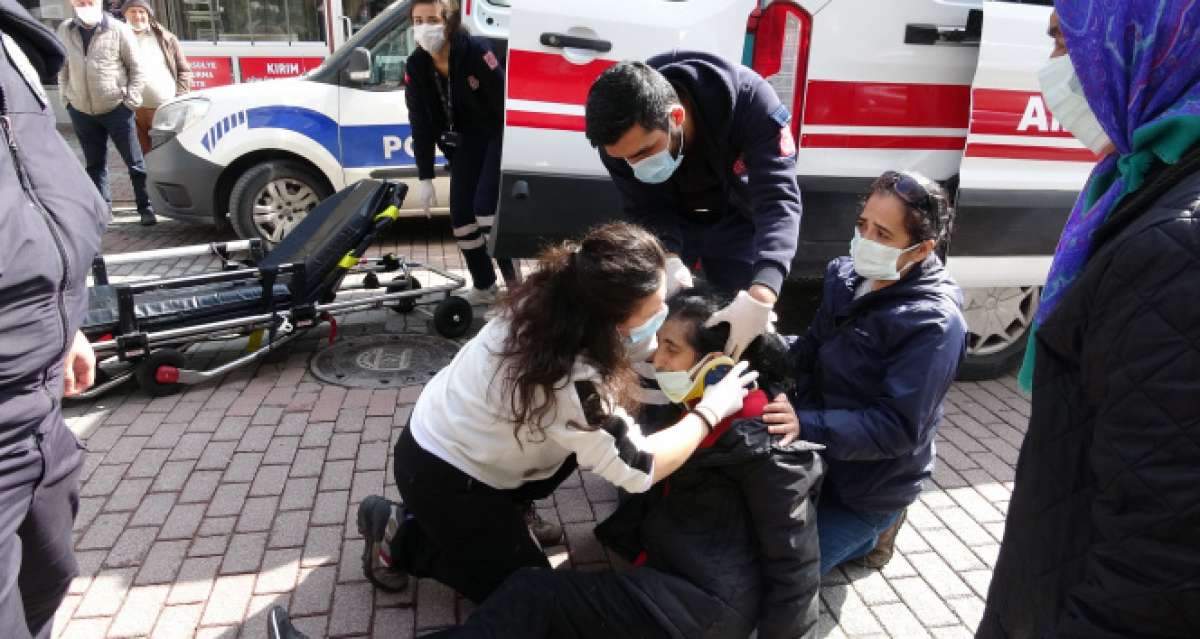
102 87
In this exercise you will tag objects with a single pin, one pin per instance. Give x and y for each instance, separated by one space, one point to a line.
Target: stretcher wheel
452 317
158 372
404 283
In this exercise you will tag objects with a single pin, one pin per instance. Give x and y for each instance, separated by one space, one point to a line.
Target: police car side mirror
359 67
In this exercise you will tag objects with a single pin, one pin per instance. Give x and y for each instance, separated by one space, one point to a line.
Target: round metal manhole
383 361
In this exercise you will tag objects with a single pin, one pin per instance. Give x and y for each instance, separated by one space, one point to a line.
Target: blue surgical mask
659 167
645 333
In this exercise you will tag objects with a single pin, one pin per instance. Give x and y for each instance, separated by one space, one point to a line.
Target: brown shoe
885 547
547 533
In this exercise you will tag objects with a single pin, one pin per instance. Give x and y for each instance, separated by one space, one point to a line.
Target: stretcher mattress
178 307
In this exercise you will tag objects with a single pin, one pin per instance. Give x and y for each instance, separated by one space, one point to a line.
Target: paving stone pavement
200 511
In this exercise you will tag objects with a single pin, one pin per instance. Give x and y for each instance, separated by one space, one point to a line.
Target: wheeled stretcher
141 330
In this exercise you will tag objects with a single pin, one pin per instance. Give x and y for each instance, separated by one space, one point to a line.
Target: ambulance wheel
271 198
452 317
404 283
998 323
157 370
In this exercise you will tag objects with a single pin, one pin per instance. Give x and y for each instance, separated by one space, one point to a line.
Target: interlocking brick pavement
202 509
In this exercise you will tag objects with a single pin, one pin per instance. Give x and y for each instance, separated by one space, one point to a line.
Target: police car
945 87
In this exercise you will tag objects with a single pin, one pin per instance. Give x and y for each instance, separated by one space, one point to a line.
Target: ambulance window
247 20
389 55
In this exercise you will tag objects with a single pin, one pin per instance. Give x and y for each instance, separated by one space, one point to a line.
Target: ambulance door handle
564 41
520 190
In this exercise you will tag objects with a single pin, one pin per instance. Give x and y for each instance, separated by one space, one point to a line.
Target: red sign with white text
210 72
270 68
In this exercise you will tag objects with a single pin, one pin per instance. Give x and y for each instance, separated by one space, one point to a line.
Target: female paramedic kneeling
874 367
727 544
454 87
539 388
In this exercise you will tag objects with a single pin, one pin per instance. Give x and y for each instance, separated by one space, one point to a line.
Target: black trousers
94 132
461 532
39 497
536 603
474 193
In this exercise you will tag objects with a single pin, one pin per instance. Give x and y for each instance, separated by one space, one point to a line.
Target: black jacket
476 93
1103 531
872 374
737 520
751 151
51 219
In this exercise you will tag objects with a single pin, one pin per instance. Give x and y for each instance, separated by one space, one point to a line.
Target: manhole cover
383 361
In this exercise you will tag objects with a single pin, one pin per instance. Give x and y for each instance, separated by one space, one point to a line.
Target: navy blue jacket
476 91
51 218
751 150
872 374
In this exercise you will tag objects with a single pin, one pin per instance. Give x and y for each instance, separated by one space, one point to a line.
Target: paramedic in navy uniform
702 154
455 95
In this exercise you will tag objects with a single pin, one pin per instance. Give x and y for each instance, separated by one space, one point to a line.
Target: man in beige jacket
101 85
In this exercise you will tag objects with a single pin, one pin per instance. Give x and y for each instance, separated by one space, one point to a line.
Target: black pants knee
537 603
39 498
474 193
465 534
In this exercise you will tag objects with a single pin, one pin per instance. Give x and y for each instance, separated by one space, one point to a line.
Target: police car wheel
998 323
453 316
404 283
271 198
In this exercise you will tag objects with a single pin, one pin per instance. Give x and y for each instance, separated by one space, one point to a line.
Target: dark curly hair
767 354
626 94
571 307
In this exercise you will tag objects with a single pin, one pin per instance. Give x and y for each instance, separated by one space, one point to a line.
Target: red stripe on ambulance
1007 112
1021 152
901 142
548 77
552 121
837 103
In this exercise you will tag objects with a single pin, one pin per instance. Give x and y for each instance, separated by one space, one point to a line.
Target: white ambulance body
945 87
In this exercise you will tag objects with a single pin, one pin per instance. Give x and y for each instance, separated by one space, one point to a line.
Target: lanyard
446 96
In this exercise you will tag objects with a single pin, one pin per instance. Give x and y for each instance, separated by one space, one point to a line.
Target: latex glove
426 196
678 275
747 317
79 368
780 418
725 397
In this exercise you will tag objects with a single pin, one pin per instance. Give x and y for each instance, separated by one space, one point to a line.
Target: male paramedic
51 219
702 154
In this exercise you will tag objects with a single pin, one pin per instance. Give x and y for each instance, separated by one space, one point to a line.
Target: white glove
678 275
426 196
725 397
748 318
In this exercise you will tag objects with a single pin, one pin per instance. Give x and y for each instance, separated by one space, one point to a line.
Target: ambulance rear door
1021 172
553 184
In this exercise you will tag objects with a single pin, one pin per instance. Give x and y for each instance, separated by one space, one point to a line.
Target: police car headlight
170 119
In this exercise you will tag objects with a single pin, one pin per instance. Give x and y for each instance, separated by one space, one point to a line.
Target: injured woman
725 546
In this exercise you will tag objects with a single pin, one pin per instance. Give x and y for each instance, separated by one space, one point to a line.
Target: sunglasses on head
909 189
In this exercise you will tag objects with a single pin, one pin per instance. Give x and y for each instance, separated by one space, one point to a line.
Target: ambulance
944 87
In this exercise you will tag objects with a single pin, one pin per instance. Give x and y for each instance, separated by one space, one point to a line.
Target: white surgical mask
683 386
876 261
659 167
430 37
90 15
1065 99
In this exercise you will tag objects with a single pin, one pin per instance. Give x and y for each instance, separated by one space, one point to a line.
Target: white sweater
464 417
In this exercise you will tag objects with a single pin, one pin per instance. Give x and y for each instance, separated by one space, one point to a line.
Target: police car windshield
391 18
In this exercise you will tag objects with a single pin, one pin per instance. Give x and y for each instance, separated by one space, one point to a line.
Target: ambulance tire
255 179
1003 351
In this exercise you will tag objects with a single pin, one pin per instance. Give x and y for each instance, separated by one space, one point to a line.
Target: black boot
279 625
148 218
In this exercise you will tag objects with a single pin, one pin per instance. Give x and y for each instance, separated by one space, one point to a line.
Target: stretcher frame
155 358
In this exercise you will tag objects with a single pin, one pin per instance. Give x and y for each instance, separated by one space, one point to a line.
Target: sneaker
885 547
547 533
279 625
378 522
481 296
148 218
